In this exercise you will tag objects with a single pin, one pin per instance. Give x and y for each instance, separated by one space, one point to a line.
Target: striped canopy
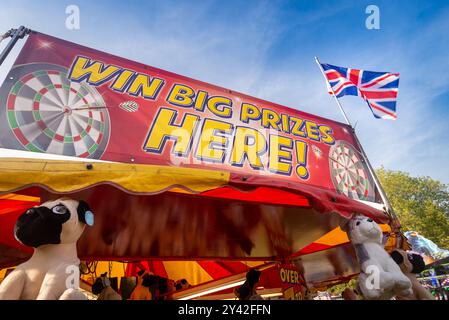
278 224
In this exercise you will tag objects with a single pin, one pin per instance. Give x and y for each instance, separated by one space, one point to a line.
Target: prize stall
185 179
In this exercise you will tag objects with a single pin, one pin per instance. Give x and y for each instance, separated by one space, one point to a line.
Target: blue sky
267 48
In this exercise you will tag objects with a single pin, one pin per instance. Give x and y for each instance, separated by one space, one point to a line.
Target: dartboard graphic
43 111
348 172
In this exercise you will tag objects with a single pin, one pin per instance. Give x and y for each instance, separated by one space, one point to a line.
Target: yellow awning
69 176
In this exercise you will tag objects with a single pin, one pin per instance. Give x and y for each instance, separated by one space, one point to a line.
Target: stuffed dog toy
380 277
102 288
182 284
145 280
52 272
411 264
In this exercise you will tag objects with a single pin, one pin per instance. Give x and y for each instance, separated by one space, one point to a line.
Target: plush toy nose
370 220
33 211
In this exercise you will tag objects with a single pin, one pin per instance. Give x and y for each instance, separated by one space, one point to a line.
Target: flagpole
382 193
333 93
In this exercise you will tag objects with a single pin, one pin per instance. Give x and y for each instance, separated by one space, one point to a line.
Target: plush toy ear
105 280
98 286
85 215
397 257
417 262
344 225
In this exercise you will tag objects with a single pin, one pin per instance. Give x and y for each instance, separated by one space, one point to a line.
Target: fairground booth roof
176 169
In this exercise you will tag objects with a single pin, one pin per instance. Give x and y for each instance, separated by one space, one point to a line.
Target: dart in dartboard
43 111
349 173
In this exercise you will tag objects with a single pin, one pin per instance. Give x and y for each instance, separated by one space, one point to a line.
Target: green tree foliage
421 204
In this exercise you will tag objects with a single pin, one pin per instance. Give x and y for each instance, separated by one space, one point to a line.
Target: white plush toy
380 277
52 272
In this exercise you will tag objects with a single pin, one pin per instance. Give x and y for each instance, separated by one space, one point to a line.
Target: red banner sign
287 278
66 99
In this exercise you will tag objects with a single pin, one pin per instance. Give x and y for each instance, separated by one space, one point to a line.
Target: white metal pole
385 200
333 93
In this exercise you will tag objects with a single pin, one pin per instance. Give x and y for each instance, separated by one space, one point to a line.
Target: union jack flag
379 89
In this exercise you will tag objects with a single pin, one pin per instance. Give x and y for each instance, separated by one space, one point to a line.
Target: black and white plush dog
102 288
52 272
411 265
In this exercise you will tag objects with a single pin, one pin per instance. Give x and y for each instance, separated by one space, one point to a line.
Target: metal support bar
15 35
382 193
